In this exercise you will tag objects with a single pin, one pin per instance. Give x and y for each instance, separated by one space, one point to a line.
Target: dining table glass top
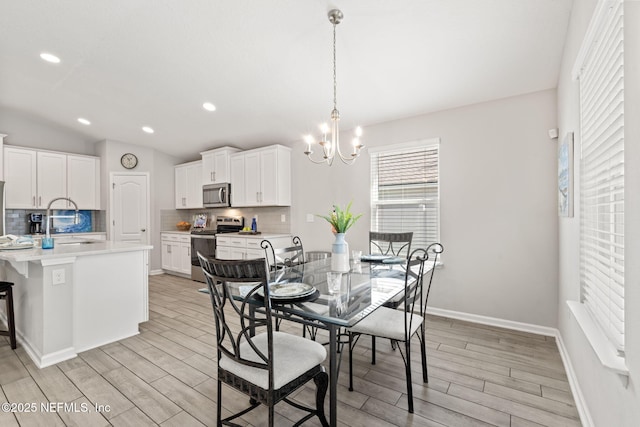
363 289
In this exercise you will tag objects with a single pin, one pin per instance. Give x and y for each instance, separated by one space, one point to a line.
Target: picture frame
565 176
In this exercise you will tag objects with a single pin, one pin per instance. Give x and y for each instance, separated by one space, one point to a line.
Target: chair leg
219 405
373 350
423 351
350 361
10 319
322 384
407 366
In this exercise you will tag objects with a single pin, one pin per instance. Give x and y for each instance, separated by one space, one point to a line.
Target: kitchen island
80 295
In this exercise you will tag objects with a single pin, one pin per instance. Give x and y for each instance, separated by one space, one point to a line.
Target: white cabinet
234 246
83 181
215 165
35 177
20 177
264 178
176 252
51 178
188 181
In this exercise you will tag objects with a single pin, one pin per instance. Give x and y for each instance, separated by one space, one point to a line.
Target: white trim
578 397
590 36
604 349
156 272
420 143
494 321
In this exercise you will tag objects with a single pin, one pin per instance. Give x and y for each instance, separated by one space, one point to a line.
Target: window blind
602 177
405 192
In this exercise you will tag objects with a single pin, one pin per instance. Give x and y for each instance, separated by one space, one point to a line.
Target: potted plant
341 220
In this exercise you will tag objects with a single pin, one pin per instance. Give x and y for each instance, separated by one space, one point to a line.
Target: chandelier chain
335 84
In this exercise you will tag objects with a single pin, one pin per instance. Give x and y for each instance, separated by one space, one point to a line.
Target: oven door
206 245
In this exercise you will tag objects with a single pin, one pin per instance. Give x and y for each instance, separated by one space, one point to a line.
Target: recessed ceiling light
209 106
147 129
50 57
84 121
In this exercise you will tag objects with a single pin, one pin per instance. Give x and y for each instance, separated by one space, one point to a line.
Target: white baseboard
156 272
494 321
581 404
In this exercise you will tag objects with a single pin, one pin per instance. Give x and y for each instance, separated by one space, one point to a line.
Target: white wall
161 184
498 204
608 401
28 131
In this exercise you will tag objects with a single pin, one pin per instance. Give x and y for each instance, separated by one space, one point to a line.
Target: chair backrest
395 244
283 257
316 255
220 275
421 266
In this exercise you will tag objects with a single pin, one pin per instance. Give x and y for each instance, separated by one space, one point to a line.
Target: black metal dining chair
281 258
390 244
401 325
264 364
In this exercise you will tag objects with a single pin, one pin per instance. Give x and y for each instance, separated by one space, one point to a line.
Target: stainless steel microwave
216 195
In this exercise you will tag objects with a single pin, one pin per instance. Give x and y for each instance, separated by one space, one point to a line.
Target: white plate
288 290
16 247
374 257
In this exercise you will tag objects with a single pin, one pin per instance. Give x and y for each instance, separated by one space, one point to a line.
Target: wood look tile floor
166 375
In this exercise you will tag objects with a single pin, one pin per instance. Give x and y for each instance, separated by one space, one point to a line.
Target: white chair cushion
292 356
386 323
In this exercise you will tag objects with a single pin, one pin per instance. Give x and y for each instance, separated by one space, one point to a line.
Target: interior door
130 208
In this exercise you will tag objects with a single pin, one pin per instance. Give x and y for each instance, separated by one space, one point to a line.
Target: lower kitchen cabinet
176 252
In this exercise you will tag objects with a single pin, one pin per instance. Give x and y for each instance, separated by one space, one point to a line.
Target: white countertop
175 232
62 250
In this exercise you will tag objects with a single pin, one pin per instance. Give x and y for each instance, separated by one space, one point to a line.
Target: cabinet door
181 187
194 185
52 179
254 254
185 258
236 166
252 179
83 181
20 177
208 168
223 252
221 167
166 255
269 177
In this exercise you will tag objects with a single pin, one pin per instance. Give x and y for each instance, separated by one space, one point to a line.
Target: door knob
143 229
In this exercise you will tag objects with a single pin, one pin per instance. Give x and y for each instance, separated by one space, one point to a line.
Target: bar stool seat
6 294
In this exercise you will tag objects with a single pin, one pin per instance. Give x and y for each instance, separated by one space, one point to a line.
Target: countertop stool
7 294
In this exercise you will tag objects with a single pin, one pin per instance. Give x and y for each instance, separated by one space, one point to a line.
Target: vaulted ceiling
266 65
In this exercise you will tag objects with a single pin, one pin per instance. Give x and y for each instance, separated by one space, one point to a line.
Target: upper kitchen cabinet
83 181
34 178
20 177
215 165
188 180
265 179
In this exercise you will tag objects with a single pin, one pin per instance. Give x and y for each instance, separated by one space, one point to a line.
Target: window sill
603 348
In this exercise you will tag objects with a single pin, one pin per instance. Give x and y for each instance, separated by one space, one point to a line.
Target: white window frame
600 72
426 144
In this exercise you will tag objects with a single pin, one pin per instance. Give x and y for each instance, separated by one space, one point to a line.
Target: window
405 191
602 174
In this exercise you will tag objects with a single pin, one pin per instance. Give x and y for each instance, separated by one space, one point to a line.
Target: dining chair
391 244
401 325
255 360
281 259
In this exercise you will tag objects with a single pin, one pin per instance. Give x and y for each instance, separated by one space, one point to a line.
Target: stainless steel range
203 240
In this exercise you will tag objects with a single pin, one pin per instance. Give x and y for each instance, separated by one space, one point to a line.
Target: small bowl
183 227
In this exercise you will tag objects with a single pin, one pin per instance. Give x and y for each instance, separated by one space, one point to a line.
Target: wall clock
129 160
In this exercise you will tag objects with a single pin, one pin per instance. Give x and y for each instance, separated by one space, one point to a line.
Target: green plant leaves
341 220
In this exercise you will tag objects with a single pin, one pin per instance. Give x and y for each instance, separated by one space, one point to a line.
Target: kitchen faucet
76 217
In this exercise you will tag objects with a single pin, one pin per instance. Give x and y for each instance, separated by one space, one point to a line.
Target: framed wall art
565 176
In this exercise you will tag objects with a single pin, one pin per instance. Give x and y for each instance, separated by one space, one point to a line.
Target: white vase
340 254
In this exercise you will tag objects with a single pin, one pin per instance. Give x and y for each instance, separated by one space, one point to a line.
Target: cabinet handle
169 249
39 200
34 200
213 176
189 251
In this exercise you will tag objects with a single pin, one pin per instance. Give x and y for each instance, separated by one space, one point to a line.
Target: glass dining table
363 289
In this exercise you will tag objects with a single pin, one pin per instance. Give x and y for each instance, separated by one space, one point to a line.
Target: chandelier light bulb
324 128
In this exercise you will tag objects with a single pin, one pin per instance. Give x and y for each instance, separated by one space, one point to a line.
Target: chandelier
331 148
